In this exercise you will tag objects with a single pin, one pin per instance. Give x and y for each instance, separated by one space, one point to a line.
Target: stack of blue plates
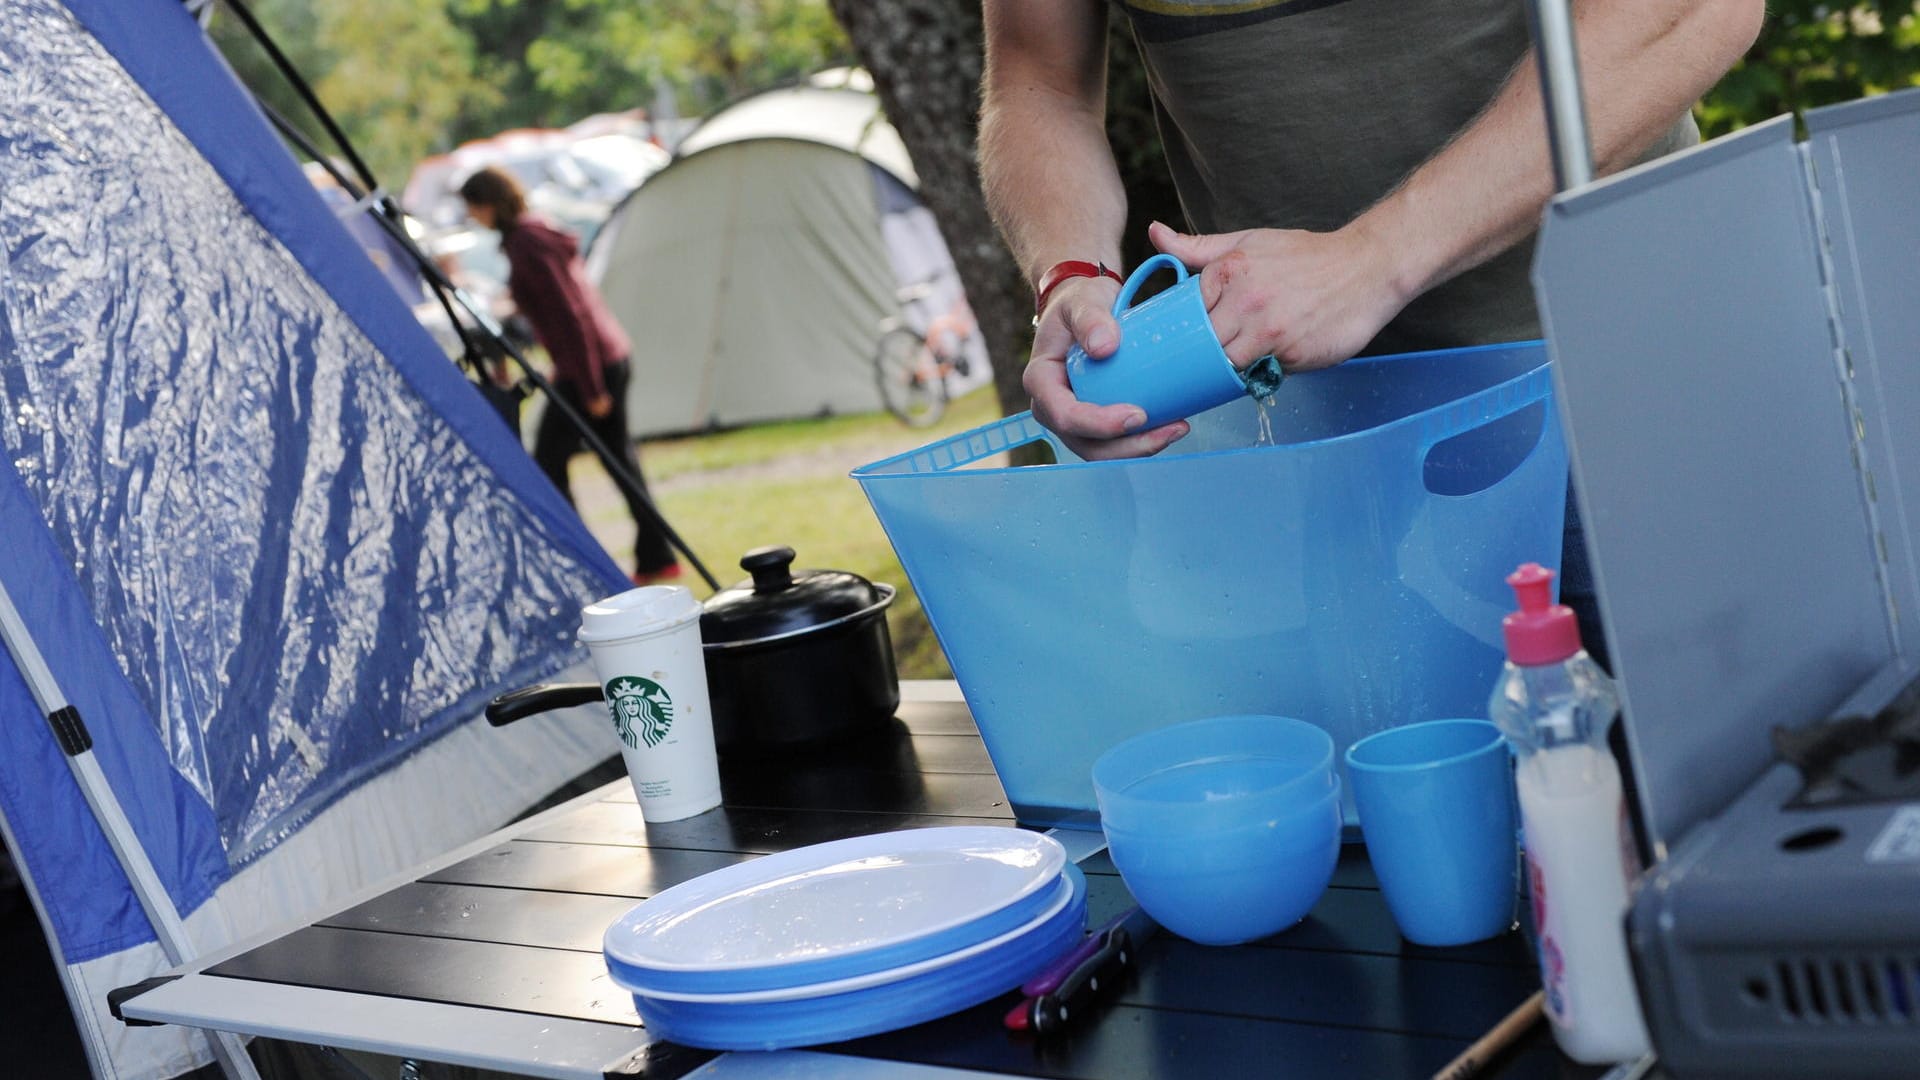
848 938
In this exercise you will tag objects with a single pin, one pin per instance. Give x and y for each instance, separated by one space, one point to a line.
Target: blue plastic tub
1350 574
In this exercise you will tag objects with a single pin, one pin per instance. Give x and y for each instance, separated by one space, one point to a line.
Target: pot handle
771 567
538 698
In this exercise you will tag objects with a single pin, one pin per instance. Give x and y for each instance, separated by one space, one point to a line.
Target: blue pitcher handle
1139 276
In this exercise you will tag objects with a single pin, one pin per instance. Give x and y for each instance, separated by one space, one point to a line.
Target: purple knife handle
1052 1011
1054 974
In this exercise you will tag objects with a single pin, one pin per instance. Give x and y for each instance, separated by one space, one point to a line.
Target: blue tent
275 551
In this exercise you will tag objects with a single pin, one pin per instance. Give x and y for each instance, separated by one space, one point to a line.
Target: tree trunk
925 58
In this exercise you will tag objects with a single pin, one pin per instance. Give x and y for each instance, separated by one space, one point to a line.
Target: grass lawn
783 483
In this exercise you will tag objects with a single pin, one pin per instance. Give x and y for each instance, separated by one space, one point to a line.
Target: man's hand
1081 310
599 407
1310 299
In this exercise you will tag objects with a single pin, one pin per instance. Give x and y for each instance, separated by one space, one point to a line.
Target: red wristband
1060 272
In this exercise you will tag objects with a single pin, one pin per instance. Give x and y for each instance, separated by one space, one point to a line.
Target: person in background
548 284
1361 175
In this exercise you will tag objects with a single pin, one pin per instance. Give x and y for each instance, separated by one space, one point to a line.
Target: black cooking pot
797 658
792 660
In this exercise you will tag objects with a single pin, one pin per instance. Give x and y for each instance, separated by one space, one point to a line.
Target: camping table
490 957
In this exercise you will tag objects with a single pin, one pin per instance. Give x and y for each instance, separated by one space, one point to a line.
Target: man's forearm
1643 64
1049 175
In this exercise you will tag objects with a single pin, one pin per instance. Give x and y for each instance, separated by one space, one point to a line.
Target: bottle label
1553 964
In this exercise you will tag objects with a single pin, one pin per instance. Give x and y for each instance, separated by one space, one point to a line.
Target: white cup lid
650 609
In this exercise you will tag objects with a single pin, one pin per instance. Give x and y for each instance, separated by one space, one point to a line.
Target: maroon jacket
549 285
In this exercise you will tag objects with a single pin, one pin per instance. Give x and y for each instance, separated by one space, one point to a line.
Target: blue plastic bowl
1214 774
1236 884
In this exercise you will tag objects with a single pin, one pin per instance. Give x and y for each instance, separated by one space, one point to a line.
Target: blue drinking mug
1169 362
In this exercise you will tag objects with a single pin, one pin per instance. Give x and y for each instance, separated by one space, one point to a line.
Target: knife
1100 962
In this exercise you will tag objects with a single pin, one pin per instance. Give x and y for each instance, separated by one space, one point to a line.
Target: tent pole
388 217
1550 23
76 743
386 214
300 87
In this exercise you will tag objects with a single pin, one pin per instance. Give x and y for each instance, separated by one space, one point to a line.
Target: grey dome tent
753 271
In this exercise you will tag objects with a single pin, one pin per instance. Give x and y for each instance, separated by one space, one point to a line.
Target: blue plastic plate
1063 892
777 1025
836 910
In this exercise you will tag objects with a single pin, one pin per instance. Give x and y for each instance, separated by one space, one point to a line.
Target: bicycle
912 369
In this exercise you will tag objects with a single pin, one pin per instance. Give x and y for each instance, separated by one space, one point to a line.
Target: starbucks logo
642 711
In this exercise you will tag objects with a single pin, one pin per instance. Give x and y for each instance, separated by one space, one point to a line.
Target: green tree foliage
1812 54
396 74
409 78
404 73
559 60
295 26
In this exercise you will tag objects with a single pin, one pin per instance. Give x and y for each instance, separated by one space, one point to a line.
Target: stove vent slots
1868 991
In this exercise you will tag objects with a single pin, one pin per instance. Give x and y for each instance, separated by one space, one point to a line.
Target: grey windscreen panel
1699 394
1866 157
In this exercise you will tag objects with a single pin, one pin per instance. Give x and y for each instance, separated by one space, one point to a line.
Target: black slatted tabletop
517 929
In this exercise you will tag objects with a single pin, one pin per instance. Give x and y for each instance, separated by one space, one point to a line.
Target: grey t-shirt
1301 114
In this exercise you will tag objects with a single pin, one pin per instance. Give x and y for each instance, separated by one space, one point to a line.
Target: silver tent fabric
752 278
753 272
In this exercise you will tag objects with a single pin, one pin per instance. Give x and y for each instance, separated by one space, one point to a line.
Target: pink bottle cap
1541 632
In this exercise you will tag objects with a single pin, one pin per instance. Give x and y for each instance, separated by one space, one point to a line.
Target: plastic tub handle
1479 409
1482 410
959 451
1140 275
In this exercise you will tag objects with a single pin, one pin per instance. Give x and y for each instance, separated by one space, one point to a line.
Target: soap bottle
1554 705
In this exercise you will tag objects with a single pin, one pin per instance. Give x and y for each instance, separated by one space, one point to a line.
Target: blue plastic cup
1437 809
1169 362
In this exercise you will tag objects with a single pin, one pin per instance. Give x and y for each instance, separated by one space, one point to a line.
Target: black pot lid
778 601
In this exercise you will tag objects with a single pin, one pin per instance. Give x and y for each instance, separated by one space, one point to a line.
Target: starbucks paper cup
645 645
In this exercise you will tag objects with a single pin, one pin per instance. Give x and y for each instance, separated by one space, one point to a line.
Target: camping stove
1782 938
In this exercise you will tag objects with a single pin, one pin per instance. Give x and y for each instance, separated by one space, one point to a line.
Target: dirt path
834 459
605 512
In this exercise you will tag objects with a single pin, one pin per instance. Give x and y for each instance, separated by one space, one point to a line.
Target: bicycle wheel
909 380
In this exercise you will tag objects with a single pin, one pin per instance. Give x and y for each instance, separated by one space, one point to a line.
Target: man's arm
1048 173
1053 188
1315 299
